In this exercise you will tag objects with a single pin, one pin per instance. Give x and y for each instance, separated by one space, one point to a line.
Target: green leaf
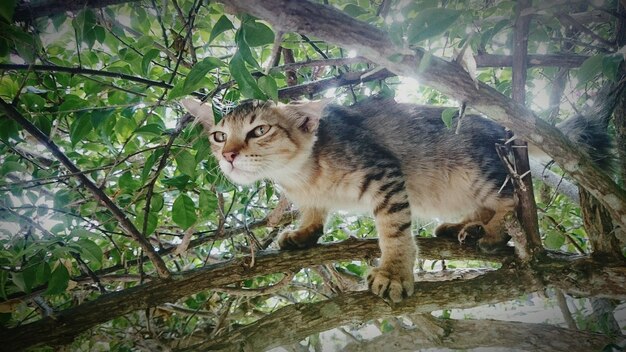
610 65
554 240
207 203
157 202
244 50
43 273
8 129
4 47
147 58
149 163
247 85
257 33
127 183
447 115
589 69
430 23
269 191
85 24
98 116
222 25
90 251
4 277
25 279
179 181
151 129
7 7
184 211
59 280
488 35
186 162
198 73
12 166
153 221
425 61
80 128
356 269
354 10
268 85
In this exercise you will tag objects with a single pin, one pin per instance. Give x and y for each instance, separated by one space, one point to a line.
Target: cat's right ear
306 113
201 111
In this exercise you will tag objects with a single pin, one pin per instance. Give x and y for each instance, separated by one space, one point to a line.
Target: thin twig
125 223
248 292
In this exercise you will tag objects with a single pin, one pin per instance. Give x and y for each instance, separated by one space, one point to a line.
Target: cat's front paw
295 240
390 284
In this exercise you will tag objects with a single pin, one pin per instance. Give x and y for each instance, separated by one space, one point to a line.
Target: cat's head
261 140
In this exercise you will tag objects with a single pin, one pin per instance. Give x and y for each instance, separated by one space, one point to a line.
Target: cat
394 161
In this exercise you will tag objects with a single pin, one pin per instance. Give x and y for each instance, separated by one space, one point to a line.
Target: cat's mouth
237 174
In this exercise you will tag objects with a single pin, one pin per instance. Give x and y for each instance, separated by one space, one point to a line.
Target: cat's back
409 131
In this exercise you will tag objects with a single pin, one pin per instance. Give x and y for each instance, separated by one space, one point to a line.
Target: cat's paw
493 244
470 234
295 240
448 230
390 284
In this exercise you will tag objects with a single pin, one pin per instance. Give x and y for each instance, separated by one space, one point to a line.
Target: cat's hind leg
306 235
486 226
495 236
469 230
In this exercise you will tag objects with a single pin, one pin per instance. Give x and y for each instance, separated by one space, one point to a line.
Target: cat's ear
306 113
201 111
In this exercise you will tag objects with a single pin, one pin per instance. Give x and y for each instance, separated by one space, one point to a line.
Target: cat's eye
219 137
260 130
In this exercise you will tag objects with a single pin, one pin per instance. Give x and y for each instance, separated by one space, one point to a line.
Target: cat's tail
590 135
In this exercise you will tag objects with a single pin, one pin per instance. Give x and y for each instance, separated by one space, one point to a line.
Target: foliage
106 94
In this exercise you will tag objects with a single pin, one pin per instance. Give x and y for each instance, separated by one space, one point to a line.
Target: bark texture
295 322
31 10
503 335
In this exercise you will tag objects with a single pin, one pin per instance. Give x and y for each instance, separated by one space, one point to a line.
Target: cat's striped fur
394 161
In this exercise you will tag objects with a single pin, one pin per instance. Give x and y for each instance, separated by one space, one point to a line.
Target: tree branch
558 182
85 71
554 60
305 319
126 225
347 78
26 10
502 335
526 208
339 28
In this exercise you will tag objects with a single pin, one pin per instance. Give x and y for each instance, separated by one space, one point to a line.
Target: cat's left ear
307 114
201 111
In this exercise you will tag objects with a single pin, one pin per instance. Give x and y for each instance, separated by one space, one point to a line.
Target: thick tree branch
526 209
554 60
27 10
503 335
558 182
309 318
482 61
125 223
64 326
333 26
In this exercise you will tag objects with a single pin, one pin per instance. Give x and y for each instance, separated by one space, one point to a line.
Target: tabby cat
394 161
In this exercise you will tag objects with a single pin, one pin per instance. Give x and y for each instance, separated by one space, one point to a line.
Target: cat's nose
230 156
